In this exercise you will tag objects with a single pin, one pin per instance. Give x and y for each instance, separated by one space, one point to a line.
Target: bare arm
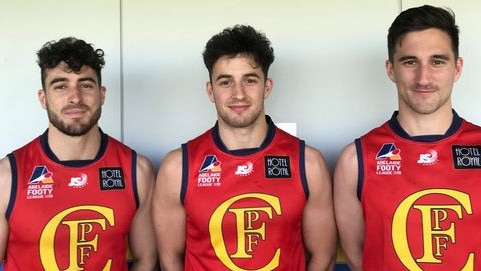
169 213
141 235
319 228
5 187
349 218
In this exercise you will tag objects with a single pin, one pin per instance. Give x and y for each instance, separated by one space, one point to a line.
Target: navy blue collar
73 163
242 152
396 127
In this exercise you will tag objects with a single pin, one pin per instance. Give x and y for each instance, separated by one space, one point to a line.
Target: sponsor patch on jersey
388 160
209 172
466 157
429 158
277 166
78 181
111 178
244 169
40 184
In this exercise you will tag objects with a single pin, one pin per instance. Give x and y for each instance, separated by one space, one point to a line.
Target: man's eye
251 81
59 87
224 83
86 86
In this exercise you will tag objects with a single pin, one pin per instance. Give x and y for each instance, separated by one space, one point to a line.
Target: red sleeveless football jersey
244 208
421 198
70 215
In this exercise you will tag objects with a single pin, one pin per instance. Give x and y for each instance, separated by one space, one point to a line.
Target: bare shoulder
317 171
5 182
315 160
145 177
347 166
144 165
172 160
169 176
348 154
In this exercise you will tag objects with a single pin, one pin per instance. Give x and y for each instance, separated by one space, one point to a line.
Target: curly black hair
240 39
76 53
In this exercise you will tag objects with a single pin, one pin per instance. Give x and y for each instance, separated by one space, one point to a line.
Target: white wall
25 25
328 74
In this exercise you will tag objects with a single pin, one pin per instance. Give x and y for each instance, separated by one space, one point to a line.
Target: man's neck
243 138
436 123
68 148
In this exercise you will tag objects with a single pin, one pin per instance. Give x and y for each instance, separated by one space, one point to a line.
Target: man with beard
74 198
407 194
244 195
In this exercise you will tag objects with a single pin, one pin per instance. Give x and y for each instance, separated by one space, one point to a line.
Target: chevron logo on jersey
40 174
40 184
388 160
210 164
209 172
389 151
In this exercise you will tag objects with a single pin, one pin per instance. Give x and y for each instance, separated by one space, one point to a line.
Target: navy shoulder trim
302 167
185 172
360 168
13 190
134 178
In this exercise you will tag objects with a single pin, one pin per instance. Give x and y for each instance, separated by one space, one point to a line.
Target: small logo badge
277 166
209 172
40 184
40 174
78 182
428 158
111 178
466 157
244 170
388 160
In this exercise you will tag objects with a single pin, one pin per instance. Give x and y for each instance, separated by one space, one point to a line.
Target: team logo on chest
40 184
251 214
388 160
425 228
209 172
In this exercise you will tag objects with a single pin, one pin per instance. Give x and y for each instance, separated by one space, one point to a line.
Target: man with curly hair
75 198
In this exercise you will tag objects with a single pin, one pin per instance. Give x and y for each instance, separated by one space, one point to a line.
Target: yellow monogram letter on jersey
435 238
247 234
80 246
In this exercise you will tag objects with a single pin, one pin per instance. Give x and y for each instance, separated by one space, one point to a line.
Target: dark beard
76 129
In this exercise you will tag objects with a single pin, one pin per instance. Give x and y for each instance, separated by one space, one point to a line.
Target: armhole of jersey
302 168
360 168
134 178
13 190
185 172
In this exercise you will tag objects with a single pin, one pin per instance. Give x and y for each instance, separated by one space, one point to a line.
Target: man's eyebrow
444 57
252 74
222 76
58 79
64 79
404 58
90 79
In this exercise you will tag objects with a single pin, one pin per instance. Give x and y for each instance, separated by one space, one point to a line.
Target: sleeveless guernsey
244 208
70 215
421 198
